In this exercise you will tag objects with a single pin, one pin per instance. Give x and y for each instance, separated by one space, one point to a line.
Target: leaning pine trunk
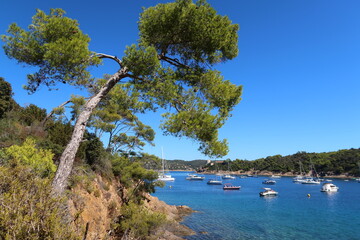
67 157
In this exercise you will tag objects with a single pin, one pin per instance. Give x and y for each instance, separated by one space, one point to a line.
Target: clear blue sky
299 64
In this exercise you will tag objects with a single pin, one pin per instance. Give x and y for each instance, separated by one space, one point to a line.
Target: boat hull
268 195
310 182
232 188
196 179
269 182
214 183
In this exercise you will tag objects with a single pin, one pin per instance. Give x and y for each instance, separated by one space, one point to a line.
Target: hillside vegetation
115 186
343 162
170 67
185 165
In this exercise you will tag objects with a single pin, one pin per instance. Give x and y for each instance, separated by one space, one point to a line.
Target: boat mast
300 167
313 169
162 160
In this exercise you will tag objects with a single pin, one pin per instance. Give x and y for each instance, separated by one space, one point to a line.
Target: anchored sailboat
312 180
228 176
162 175
299 178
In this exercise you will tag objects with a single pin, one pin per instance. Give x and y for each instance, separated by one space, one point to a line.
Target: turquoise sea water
244 215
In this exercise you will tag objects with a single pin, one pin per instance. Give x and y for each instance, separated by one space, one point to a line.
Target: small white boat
214 182
269 182
227 176
194 177
298 179
275 176
310 181
329 187
268 192
228 186
165 178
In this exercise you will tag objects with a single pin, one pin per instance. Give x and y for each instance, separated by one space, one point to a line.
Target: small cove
244 215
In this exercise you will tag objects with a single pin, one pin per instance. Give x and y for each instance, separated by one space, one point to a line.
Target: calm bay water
244 215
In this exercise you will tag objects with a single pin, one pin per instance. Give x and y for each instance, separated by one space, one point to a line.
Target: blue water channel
244 215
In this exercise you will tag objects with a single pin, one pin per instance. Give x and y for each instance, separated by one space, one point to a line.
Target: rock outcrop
94 207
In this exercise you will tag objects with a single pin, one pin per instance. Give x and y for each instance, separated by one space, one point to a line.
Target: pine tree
171 67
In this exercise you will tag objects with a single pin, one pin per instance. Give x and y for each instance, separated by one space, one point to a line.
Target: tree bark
67 158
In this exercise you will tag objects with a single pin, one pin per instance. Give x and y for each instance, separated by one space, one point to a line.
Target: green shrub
28 208
82 175
27 154
138 221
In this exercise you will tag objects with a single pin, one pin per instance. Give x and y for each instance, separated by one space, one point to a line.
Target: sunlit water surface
244 215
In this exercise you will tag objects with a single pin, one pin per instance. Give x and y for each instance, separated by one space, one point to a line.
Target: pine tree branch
52 112
115 58
172 61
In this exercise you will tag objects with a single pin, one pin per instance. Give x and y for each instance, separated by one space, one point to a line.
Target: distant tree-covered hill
185 165
342 162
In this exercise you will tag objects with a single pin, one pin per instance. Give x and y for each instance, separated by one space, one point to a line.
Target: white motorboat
268 192
310 181
214 182
165 178
329 187
298 179
269 182
194 177
228 186
275 176
227 176
189 176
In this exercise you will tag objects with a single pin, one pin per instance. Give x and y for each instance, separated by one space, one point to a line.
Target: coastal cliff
96 207
173 229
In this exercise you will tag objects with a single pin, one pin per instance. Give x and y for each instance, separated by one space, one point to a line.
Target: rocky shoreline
97 209
173 229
